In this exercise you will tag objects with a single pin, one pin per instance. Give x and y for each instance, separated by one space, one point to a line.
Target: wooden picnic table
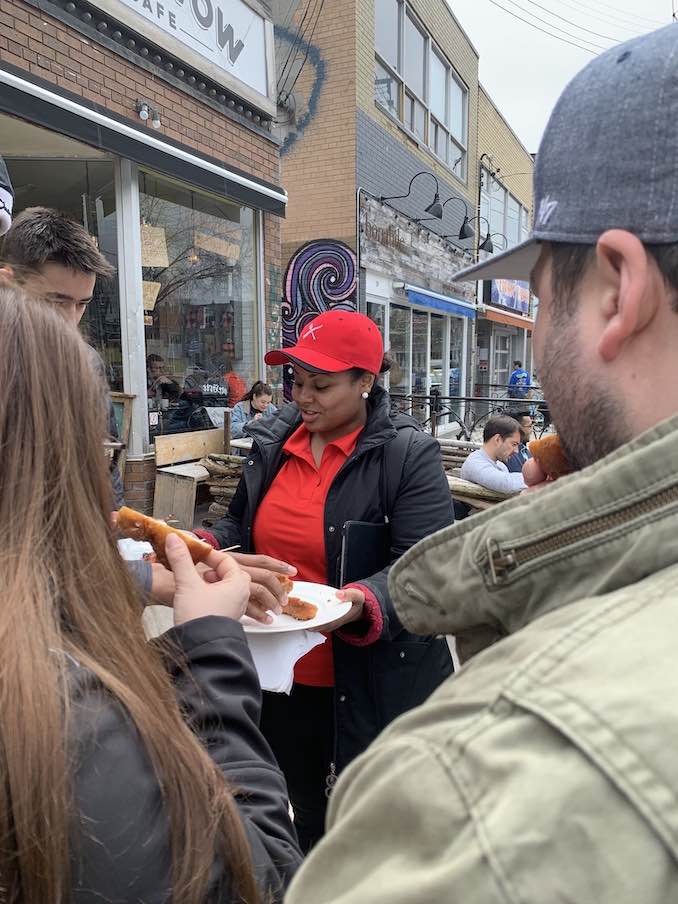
474 495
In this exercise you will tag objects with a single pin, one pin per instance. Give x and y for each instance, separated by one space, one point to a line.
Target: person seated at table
516 461
254 405
130 771
487 466
160 384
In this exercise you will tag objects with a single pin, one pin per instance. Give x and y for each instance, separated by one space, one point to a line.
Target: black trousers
300 730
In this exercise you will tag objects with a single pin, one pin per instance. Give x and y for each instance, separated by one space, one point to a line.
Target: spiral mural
320 276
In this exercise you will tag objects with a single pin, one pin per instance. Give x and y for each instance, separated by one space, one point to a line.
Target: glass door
501 361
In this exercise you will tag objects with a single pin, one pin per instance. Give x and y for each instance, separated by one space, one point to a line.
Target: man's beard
589 420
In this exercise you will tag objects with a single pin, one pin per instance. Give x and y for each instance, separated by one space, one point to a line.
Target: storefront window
399 333
198 256
377 312
419 354
48 170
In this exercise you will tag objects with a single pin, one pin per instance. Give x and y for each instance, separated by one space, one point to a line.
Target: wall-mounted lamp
435 208
146 111
466 231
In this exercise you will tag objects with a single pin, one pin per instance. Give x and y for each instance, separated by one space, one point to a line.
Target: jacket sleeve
423 505
238 421
388 842
480 470
123 853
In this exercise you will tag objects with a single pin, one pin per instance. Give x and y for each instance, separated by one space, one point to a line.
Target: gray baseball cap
608 158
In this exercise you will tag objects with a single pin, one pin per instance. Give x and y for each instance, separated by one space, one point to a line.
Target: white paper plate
325 598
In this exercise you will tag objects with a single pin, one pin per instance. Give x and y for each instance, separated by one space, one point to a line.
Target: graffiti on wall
320 276
303 114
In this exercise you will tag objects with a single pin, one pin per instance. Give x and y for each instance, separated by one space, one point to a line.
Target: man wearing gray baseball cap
546 769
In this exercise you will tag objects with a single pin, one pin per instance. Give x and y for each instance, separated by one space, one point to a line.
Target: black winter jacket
122 853
376 683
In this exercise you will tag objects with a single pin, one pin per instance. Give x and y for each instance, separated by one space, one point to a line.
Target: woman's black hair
386 364
258 389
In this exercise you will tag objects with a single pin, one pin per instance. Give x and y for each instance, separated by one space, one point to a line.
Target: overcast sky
525 70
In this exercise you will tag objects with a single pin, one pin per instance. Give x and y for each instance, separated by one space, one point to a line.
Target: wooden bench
179 473
454 454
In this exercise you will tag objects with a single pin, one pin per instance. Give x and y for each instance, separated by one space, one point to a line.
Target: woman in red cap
337 454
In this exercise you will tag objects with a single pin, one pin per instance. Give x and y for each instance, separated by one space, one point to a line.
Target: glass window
438 89
84 190
419 355
456 354
399 335
198 256
415 56
386 88
458 111
512 221
497 206
524 224
376 311
436 358
419 122
386 30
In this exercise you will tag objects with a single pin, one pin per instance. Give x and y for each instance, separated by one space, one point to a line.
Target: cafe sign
229 41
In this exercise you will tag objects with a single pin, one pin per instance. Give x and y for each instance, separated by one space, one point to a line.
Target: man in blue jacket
519 382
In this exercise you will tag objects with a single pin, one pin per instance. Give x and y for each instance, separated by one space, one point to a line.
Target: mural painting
321 275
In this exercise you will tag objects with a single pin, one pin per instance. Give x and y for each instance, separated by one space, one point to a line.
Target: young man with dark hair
55 258
546 769
487 466
516 461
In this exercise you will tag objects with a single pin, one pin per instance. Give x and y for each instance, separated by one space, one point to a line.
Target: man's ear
6 275
624 279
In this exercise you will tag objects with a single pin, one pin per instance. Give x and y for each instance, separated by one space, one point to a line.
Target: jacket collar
269 433
606 527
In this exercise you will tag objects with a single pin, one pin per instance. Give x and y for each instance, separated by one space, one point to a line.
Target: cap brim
516 263
308 359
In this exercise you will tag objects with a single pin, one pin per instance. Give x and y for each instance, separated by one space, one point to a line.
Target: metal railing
462 417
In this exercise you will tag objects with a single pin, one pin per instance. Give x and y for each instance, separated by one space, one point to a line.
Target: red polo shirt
290 525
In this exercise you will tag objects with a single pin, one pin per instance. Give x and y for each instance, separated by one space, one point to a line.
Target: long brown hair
66 592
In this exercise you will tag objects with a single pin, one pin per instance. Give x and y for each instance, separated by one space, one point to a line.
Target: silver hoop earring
365 395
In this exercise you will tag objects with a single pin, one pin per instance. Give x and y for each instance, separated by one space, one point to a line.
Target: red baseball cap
333 342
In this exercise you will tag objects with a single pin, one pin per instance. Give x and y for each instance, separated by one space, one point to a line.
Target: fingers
258 612
266 562
532 473
261 596
179 559
351 595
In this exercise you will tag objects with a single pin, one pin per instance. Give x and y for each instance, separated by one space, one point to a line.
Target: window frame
486 198
456 148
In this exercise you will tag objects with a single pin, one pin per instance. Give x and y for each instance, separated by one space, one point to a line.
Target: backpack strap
393 460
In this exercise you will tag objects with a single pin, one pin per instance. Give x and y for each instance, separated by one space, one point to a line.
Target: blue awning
443 303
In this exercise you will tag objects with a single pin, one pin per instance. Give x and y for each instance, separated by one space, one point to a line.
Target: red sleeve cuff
207 537
368 629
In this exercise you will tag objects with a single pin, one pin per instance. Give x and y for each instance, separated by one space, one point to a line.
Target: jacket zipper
504 560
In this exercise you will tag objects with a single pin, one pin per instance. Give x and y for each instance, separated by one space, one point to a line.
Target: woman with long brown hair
128 772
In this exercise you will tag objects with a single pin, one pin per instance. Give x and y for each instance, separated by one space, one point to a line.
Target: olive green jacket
546 771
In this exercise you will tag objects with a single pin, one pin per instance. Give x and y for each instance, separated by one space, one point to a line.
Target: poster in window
153 246
511 293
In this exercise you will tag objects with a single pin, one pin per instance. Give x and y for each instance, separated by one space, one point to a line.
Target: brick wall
51 50
438 19
140 483
496 138
319 171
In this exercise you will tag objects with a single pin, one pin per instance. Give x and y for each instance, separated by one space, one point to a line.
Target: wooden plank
175 498
195 471
465 488
179 447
